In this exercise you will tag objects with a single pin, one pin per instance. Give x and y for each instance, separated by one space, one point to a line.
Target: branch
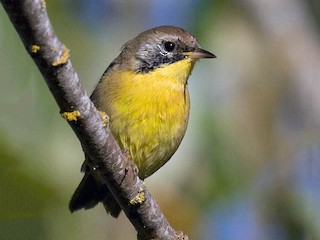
31 21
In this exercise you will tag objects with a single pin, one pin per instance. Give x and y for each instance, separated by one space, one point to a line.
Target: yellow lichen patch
35 48
71 116
139 198
105 118
63 58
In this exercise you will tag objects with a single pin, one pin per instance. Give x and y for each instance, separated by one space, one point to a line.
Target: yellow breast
148 111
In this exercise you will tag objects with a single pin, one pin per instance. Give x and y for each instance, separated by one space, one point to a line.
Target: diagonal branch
31 21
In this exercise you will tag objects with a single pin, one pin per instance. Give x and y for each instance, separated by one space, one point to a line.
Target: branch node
63 59
71 116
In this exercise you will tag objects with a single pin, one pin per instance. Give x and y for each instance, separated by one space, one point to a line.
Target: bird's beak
199 53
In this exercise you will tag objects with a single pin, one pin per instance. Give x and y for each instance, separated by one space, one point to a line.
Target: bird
144 93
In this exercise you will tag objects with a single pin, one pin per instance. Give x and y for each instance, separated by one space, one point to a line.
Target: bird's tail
90 192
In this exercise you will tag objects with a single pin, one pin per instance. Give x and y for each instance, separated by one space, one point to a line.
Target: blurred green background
249 165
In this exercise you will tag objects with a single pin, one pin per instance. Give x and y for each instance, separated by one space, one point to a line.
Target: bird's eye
169 46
